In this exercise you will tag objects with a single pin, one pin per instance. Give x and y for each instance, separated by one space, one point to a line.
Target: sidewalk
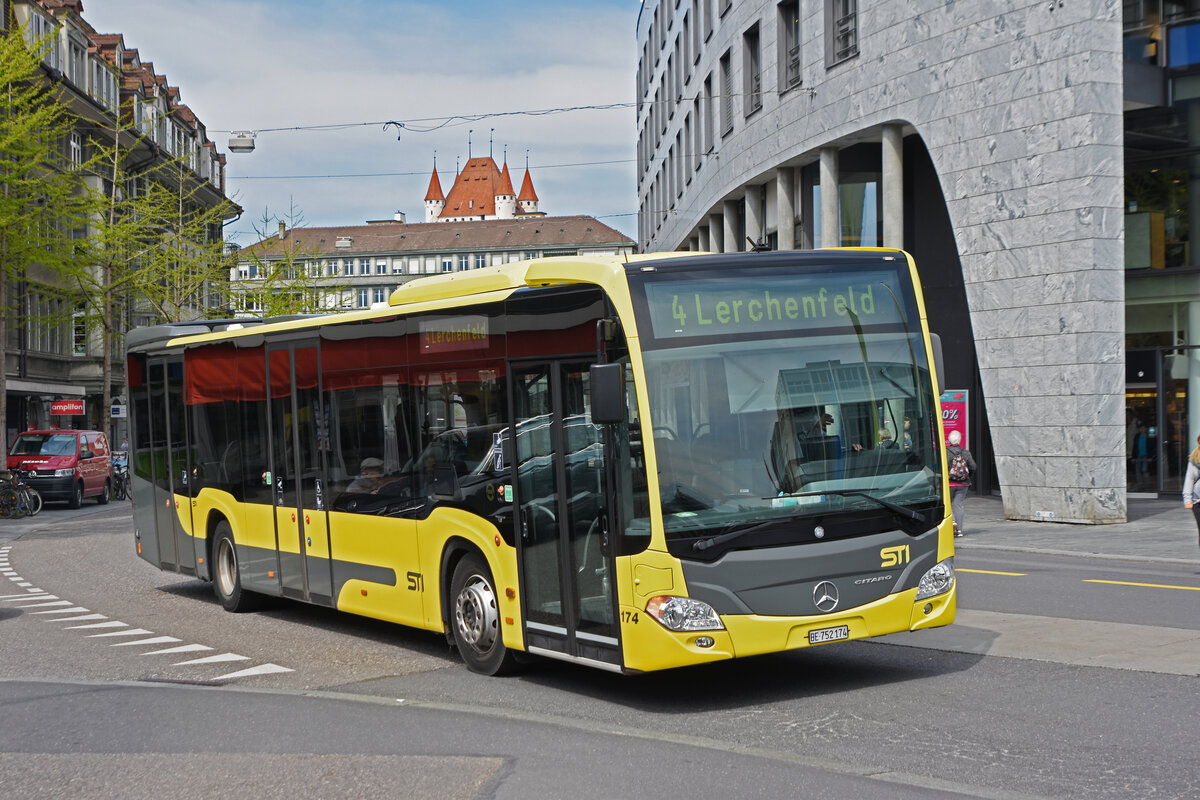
1157 530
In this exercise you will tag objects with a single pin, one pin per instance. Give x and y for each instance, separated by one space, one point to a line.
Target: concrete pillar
893 187
785 207
831 222
716 230
753 201
703 240
729 236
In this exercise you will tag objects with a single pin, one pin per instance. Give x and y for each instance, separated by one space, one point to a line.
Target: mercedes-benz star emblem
825 596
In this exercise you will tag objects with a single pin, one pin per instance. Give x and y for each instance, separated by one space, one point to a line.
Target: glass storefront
1158 437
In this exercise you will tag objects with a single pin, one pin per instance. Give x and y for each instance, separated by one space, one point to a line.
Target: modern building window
480 260
723 6
464 262
381 267
77 63
726 72
706 14
364 266
841 31
752 70
789 45
381 294
530 254
707 127
364 298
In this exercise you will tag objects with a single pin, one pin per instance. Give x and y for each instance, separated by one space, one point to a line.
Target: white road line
213 659
72 610
151 640
112 624
12 598
264 669
183 648
78 619
23 583
47 605
130 632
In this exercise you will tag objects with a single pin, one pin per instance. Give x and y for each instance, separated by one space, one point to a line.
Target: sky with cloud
318 79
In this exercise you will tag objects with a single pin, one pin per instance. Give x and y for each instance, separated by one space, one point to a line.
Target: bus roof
478 286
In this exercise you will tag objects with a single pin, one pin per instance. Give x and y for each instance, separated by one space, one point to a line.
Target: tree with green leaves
155 248
43 205
287 274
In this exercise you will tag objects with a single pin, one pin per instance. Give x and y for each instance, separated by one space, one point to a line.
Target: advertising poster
954 413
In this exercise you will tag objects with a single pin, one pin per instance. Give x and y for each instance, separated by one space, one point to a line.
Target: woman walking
1191 489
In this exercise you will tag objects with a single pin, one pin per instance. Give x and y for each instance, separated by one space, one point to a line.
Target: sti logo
894 556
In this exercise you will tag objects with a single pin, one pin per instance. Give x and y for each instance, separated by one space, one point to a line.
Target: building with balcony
48 357
1035 158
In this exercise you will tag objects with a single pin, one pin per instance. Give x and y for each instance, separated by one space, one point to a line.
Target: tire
119 488
76 499
475 618
105 494
35 502
227 579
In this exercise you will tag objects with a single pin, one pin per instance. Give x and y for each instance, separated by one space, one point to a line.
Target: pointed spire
435 187
527 193
506 187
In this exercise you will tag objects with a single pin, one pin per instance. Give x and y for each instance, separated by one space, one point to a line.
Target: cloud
265 65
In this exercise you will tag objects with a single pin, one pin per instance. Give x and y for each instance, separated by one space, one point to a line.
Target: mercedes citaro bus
629 463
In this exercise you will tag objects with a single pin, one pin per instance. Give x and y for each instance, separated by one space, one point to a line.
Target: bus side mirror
607 383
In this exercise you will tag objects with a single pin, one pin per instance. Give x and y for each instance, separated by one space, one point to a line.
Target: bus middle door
566 569
297 472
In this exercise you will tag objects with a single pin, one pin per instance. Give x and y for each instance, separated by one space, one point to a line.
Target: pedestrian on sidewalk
1191 479
961 468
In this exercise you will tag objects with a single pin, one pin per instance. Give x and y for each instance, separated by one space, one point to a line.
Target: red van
65 464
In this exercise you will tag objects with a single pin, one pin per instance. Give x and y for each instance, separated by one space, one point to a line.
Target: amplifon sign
64 408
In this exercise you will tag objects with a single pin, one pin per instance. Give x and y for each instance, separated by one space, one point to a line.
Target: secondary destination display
759 304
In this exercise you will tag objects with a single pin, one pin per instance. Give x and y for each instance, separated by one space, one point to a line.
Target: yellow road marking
992 572
1147 585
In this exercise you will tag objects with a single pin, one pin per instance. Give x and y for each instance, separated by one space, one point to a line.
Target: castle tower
506 197
527 199
435 201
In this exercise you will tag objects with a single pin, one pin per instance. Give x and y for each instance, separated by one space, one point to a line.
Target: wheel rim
226 567
476 616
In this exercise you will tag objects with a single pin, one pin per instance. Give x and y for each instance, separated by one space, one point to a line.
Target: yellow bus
632 464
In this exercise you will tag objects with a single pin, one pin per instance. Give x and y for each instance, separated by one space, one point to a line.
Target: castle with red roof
480 191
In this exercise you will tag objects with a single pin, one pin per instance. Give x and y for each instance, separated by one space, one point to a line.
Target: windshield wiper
907 513
713 541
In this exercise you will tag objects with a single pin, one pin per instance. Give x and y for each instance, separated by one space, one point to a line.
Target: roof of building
474 191
521 233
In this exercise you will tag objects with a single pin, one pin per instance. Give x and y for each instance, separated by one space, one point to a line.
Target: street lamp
241 142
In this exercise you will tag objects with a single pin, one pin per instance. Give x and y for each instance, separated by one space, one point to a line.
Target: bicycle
17 498
120 464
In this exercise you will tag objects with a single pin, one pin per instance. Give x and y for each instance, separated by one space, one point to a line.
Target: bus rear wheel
475 621
227 580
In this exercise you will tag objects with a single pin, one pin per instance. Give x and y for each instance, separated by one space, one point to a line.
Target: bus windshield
763 421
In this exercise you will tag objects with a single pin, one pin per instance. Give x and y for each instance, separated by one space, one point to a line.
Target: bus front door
562 524
298 441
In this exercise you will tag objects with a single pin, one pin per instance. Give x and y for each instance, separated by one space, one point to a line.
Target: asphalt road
305 702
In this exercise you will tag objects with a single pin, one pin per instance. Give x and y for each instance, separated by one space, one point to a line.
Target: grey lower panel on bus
257 563
780 581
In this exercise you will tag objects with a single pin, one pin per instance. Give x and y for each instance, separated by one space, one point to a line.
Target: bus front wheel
476 618
227 582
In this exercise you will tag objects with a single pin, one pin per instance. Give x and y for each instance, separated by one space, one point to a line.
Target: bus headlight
937 580
683 614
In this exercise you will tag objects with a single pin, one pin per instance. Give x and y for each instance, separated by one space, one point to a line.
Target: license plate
822 635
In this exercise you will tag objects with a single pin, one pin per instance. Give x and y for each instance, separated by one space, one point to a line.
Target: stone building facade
984 138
